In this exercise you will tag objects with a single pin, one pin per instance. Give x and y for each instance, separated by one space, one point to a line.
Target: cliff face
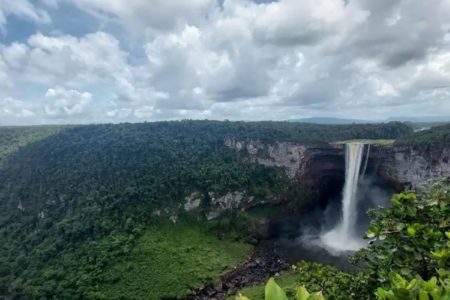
303 163
324 166
282 154
319 166
409 167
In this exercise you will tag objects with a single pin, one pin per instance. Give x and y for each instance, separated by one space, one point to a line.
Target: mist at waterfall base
323 235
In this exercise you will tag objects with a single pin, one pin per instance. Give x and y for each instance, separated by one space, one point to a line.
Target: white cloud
95 59
15 55
16 112
142 15
65 104
23 9
13 107
293 22
5 81
238 60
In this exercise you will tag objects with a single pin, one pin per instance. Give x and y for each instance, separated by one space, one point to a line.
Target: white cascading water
342 237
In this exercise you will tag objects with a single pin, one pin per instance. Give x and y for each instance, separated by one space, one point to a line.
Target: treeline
85 194
12 138
435 138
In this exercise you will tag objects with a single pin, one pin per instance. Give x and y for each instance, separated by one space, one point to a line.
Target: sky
102 61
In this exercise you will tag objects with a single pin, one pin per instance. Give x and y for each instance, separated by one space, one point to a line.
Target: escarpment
323 166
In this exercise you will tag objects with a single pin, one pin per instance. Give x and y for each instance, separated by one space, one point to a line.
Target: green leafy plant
399 289
333 283
273 291
412 236
417 288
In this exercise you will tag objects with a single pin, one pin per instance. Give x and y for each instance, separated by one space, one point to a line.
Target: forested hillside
12 138
431 139
78 206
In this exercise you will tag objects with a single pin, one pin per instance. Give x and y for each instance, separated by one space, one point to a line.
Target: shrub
412 236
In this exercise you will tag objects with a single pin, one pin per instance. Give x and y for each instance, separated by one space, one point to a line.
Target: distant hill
428 119
330 120
420 121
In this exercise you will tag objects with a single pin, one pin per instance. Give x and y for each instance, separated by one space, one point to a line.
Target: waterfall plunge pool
330 235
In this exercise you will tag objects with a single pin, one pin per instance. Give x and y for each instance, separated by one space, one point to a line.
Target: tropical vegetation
83 209
411 241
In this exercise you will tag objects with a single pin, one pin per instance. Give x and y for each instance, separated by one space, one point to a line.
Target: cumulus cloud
396 32
95 59
61 103
4 76
140 16
292 22
235 59
23 9
15 112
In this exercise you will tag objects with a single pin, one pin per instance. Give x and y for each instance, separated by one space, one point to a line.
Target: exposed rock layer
410 167
323 166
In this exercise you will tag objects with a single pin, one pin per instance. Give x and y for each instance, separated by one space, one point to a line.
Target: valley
190 209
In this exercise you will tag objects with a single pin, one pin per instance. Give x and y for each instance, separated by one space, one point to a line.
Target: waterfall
367 160
342 237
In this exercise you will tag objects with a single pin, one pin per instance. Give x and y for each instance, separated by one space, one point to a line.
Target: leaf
302 293
400 226
395 200
397 280
316 296
412 285
370 234
382 294
273 291
411 231
240 297
438 254
372 231
423 295
430 284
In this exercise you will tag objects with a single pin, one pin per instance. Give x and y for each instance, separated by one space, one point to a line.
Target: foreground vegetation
416 289
333 283
409 259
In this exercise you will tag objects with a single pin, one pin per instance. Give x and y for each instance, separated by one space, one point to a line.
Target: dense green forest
435 138
79 205
12 138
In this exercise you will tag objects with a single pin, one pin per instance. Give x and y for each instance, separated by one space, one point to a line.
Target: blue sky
91 61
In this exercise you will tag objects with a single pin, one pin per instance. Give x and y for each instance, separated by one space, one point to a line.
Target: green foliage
12 138
74 201
400 289
334 284
417 288
434 139
169 261
303 294
414 232
234 224
273 291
